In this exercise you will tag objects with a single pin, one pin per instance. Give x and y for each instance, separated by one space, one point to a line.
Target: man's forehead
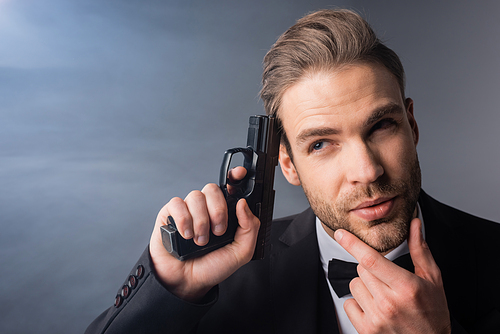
365 90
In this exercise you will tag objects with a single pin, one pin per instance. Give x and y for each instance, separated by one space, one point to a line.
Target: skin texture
354 141
389 299
194 216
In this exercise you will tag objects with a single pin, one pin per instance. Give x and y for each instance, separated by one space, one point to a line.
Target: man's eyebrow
392 108
316 132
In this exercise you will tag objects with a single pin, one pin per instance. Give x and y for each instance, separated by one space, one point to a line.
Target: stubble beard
390 231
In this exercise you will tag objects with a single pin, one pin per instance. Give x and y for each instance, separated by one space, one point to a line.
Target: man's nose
364 165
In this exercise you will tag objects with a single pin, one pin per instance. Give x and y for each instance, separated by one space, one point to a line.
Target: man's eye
318 146
384 124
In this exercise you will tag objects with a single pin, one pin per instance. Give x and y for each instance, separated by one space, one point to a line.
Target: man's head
325 40
349 135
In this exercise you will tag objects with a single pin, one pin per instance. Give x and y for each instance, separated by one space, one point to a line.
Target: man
349 139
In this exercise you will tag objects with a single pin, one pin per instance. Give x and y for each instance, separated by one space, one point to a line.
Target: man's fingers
177 208
197 206
388 297
368 257
368 287
380 267
246 219
191 279
246 234
217 208
355 313
361 293
240 251
425 266
237 173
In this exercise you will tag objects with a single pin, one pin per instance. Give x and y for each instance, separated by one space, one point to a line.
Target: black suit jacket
287 291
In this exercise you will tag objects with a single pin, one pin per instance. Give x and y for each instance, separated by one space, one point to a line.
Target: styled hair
324 40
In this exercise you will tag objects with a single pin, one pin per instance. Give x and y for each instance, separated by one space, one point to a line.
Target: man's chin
383 236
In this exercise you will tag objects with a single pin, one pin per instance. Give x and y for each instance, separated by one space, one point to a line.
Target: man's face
353 140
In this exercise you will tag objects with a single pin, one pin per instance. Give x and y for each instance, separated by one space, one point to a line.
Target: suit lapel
296 281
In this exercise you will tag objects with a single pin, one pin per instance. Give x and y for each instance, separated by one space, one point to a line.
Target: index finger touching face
367 257
365 254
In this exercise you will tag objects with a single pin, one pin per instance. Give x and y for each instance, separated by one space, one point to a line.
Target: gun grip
183 249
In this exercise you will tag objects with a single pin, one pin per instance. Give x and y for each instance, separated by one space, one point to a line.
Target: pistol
260 160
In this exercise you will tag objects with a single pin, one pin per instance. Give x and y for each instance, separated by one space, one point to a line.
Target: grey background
110 108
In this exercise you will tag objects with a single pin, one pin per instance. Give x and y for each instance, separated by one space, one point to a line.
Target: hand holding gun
216 230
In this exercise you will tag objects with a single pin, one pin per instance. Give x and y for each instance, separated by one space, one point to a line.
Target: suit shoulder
279 227
456 218
281 224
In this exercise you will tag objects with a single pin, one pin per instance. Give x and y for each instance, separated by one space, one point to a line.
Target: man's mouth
374 209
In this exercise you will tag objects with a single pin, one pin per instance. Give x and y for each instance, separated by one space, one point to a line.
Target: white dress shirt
329 249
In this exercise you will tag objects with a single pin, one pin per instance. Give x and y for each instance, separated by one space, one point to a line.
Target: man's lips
376 209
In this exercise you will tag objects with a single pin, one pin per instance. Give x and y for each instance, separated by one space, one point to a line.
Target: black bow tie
341 273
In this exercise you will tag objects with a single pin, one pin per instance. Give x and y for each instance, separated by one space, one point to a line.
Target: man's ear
411 119
287 167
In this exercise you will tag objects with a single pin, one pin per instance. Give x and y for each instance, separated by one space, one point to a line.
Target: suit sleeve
456 328
144 305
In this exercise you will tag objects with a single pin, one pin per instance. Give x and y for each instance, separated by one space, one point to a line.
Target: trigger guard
241 187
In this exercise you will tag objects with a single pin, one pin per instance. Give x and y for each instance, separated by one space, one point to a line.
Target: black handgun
260 160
